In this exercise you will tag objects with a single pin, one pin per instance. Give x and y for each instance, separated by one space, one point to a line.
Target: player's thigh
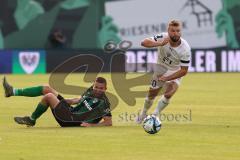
170 89
155 83
63 115
155 87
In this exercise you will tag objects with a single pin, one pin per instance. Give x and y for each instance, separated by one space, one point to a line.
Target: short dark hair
174 23
101 80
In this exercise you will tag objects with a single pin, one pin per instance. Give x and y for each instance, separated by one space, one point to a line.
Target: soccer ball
151 124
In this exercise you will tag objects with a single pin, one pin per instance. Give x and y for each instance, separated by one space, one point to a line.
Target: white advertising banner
138 19
204 60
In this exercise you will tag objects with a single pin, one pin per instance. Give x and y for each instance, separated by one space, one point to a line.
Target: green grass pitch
209 131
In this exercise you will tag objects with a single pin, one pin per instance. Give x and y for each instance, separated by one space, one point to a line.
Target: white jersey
173 57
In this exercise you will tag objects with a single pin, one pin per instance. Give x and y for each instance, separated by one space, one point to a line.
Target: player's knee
152 95
47 89
168 95
48 96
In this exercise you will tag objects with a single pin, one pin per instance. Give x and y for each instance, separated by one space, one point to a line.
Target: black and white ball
152 124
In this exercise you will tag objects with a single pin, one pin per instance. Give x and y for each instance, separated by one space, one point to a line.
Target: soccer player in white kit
173 60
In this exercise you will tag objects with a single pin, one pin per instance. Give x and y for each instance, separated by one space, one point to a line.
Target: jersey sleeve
185 58
108 115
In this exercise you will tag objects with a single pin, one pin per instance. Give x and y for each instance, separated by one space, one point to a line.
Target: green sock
41 108
29 92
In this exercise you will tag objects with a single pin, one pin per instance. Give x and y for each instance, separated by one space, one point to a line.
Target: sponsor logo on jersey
87 105
95 100
107 110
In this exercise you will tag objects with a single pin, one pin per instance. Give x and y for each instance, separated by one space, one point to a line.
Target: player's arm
182 72
72 101
154 42
184 63
107 121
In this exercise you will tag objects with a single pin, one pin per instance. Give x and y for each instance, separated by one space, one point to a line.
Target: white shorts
160 70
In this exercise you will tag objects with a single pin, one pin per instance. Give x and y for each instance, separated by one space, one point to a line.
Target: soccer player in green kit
92 108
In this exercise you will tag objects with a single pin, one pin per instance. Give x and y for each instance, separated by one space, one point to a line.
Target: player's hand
85 124
163 79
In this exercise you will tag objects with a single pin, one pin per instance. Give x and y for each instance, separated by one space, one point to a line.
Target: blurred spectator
57 39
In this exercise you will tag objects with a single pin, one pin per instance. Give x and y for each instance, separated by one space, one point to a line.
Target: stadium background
208 97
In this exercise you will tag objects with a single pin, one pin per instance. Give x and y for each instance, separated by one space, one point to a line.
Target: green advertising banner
29 62
81 24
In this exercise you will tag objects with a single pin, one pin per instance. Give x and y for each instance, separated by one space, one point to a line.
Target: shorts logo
87 105
29 61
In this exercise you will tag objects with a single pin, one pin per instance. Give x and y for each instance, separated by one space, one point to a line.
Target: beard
98 94
175 38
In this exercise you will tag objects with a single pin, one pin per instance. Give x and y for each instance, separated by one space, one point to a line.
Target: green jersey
88 103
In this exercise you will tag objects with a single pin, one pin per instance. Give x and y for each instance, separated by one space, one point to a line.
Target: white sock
14 91
147 105
162 103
